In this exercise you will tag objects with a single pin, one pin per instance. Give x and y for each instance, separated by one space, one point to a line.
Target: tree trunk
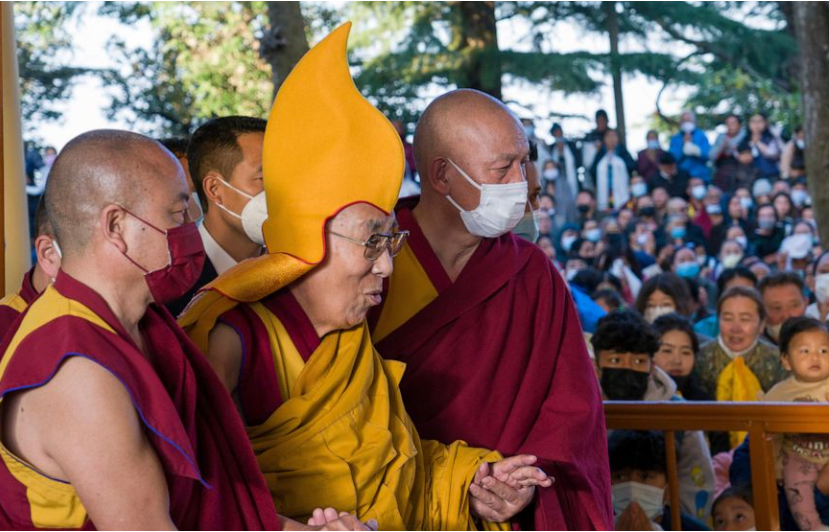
284 43
612 19
812 28
474 34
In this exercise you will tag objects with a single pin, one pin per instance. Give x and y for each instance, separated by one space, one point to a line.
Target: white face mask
743 241
774 331
253 214
732 260
195 204
550 174
642 239
500 209
567 242
528 227
822 288
639 189
650 498
651 313
687 127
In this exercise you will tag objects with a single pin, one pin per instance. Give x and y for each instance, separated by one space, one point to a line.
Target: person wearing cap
482 318
286 331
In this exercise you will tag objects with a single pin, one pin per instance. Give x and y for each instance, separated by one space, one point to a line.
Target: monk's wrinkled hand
331 519
501 490
519 472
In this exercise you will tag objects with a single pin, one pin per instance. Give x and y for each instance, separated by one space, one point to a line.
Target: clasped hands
502 489
497 493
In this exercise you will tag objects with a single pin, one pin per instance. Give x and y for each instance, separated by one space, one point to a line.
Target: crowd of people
215 336
694 269
698 275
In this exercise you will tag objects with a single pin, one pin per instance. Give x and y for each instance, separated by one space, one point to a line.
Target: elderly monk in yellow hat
286 332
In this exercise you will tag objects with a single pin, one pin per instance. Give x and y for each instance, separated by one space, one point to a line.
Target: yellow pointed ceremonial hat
326 148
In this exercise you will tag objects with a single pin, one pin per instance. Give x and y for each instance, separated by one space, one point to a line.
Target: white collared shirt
220 258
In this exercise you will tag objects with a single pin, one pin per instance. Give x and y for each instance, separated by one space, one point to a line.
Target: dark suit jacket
208 273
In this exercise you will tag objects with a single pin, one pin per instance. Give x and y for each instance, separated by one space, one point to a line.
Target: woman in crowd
663 294
736 276
677 354
765 146
786 210
769 234
738 363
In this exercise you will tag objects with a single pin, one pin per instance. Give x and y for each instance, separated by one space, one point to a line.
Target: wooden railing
760 420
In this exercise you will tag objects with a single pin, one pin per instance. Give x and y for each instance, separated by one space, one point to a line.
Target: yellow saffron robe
342 437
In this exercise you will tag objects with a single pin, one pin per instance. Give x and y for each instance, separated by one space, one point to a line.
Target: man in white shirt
612 178
225 160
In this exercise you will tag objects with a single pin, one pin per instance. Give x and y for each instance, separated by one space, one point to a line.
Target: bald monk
486 326
38 277
287 336
110 416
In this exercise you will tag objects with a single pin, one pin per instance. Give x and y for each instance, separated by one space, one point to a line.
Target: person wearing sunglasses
486 326
287 333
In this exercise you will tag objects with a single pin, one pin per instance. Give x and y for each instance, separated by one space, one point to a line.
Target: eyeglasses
378 243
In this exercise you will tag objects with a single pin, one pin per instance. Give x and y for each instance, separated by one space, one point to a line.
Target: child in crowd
804 350
733 510
639 483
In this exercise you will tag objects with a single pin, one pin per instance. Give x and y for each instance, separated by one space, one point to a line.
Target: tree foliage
44 56
408 49
204 62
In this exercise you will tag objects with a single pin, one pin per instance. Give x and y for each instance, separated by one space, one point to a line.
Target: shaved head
97 169
461 125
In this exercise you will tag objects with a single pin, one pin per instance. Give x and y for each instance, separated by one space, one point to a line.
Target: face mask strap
234 189
162 231
142 220
465 175
219 205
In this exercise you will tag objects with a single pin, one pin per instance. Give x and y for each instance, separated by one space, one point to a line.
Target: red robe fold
27 293
258 386
212 476
498 360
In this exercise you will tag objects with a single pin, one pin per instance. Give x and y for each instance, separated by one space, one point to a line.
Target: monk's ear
113 220
47 256
437 176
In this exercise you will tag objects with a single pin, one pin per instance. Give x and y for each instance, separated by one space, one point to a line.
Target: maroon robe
27 293
212 476
258 386
498 360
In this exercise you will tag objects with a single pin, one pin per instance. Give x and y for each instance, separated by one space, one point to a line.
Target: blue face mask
678 232
653 144
593 235
689 270
639 189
